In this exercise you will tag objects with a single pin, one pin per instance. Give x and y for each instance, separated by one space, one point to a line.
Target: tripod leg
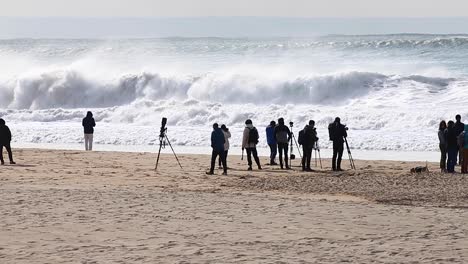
159 153
173 152
320 159
297 146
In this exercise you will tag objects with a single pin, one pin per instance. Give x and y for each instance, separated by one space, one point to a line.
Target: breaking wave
70 89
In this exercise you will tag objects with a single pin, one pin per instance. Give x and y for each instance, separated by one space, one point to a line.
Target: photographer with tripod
283 136
307 138
338 134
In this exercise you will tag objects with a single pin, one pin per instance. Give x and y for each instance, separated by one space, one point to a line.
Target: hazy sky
289 8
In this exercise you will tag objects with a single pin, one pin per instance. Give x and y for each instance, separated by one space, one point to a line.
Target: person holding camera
337 133
88 126
282 135
307 138
249 143
217 143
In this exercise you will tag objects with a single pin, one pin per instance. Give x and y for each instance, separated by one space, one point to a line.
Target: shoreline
388 155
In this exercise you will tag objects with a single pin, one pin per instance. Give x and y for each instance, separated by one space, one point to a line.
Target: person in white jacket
227 136
249 143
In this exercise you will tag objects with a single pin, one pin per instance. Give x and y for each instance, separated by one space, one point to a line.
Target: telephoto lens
163 127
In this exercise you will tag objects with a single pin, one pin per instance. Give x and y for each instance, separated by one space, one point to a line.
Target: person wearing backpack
271 140
307 138
282 135
249 143
337 133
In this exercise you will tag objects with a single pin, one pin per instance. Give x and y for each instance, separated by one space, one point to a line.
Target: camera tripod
317 148
351 160
293 140
162 144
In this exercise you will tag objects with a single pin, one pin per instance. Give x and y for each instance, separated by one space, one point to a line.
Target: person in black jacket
217 144
5 139
88 125
459 128
452 146
283 136
308 137
337 133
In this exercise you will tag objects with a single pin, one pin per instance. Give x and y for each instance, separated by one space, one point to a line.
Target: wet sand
112 207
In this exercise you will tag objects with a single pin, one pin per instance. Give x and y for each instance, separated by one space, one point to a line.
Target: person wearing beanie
249 143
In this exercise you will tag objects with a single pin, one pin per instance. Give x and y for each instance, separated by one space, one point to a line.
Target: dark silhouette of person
443 146
217 143
249 143
5 140
283 136
337 133
88 125
271 141
227 136
308 138
459 128
452 146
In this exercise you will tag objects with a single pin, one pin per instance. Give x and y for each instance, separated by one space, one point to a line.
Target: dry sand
110 207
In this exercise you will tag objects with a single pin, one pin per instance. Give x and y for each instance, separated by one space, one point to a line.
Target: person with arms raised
337 133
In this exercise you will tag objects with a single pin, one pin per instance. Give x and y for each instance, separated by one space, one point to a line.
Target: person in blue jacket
271 140
217 143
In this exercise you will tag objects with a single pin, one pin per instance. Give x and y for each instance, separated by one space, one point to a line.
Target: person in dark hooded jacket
307 138
88 125
5 139
459 128
217 143
337 132
283 136
452 146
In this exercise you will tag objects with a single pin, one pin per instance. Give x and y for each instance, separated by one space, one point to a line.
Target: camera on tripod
163 129
163 139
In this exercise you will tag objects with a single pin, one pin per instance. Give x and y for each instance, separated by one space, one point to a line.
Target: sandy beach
112 207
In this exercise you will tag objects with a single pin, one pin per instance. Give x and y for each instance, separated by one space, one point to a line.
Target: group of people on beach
279 137
453 144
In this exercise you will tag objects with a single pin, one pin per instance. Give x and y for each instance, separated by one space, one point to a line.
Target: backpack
300 139
253 136
332 131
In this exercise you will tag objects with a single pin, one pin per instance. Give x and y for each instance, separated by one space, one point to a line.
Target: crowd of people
453 144
279 138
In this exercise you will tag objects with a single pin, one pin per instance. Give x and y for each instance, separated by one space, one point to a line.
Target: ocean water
390 90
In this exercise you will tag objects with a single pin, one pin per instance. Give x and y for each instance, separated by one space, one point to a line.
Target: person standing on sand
307 138
271 140
283 136
249 143
88 125
5 140
227 136
217 143
452 146
459 128
464 168
443 146
337 133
